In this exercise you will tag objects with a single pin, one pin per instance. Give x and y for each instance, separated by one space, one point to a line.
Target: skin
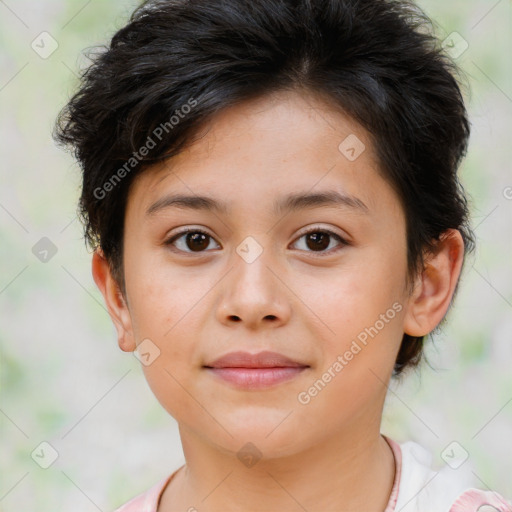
307 304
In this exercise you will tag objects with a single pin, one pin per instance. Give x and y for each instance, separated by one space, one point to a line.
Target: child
257 130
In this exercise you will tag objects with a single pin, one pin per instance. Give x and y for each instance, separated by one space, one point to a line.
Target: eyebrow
289 203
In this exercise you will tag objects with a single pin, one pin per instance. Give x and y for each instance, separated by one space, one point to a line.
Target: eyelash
316 229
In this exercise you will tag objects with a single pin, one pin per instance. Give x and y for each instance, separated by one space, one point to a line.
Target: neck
349 472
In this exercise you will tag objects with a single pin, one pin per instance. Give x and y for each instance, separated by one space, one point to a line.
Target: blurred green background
63 379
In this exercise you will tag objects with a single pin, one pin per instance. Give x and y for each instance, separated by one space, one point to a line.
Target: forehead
255 153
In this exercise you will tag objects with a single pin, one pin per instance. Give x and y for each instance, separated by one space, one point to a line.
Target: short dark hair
378 61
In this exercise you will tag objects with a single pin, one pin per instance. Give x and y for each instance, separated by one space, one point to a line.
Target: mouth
255 371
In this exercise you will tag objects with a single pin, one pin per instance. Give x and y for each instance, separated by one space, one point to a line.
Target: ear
114 300
434 288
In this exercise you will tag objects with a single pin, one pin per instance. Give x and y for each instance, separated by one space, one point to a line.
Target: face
320 281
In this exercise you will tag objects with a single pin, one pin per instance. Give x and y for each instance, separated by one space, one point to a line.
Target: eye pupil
320 240
197 241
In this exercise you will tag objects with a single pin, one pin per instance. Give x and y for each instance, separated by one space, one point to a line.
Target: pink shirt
416 487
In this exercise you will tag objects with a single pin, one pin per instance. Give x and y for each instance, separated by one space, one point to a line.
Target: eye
319 239
196 240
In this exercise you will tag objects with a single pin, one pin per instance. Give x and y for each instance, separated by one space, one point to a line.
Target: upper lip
265 359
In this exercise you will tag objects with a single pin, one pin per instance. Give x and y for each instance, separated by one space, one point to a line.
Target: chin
274 432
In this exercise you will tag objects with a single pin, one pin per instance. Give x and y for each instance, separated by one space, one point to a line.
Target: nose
252 294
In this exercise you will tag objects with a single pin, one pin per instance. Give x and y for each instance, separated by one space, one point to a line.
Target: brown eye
318 240
197 241
191 241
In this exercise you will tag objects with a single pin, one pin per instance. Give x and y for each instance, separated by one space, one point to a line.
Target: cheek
352 296
160 294
162 311
357 310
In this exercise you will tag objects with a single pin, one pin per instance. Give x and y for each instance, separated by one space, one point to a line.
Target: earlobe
114 301
435 287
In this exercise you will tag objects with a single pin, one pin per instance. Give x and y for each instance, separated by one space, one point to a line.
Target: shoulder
481 501
148 500
422 488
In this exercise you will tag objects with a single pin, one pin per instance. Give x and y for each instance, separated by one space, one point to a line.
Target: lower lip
257 378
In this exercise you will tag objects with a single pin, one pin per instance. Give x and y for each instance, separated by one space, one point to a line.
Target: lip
255 371
265 359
